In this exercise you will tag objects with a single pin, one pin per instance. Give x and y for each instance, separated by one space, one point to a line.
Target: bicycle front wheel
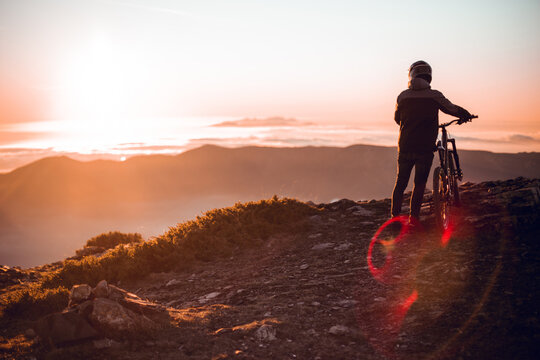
441 200
453 183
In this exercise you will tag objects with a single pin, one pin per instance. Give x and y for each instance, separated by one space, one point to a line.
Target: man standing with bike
417 114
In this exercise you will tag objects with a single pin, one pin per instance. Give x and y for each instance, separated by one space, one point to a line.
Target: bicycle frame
446 177
445 152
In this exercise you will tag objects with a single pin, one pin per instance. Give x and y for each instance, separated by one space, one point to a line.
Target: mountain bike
446 177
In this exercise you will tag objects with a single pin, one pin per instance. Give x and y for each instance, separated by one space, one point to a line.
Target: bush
114 238
219 233
34 301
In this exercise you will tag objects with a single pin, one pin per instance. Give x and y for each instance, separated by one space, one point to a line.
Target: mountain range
51 207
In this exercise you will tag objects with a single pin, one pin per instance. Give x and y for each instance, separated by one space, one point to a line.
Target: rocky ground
472 294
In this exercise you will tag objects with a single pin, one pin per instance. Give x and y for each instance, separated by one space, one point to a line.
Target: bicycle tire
440 201
454 183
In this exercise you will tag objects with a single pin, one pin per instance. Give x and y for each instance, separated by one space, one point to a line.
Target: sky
114 78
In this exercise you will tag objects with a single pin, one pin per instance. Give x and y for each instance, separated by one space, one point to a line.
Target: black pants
422 164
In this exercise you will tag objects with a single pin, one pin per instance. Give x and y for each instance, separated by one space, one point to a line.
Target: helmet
420 69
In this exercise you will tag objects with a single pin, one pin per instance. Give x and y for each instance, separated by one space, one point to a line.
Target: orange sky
114 70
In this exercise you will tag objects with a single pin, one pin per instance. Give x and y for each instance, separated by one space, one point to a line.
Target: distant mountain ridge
55 204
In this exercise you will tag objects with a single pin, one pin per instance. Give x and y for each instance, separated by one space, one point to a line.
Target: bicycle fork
458 171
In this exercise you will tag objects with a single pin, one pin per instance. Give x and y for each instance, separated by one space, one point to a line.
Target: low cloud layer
510 139
266 132
275 121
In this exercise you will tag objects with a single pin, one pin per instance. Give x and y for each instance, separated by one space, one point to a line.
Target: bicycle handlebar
459 121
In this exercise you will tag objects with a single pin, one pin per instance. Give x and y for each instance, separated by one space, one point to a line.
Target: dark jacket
417 114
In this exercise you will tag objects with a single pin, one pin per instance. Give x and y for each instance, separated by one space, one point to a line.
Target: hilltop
286 279
48 208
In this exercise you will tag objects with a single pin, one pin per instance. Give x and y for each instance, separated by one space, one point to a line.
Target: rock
322 246
210 296
304 266
141 306
12 275
85 309
101 289
342 204
62 328
115 293
266 333
30 333
339 330
110 316
133 302
344 246
360 211
347 303
79 293
105 343
315 236
173 282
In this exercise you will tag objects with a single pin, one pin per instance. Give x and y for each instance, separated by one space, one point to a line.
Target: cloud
276 121
523 138
144 147
23 151
509 139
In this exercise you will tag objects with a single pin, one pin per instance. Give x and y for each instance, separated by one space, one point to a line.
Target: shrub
34 301
219 233
113 238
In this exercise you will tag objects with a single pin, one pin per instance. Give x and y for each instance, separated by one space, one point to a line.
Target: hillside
48 208
281 279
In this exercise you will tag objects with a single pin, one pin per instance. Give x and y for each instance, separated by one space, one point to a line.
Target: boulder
79 293
115 320
85 309
115 293
62 328
133 302
101 289
110 316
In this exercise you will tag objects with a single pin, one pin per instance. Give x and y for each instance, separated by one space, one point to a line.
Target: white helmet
420 69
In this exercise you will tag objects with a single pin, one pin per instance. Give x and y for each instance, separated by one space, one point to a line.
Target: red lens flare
380 273
447 234
402 255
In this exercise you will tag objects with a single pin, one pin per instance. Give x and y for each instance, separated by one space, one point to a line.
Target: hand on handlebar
468 118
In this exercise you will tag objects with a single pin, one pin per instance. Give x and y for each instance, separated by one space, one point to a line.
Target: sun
95 92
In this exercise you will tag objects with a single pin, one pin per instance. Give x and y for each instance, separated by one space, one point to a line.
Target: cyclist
417 114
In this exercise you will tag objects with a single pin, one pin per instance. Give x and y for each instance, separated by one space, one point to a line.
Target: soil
472 294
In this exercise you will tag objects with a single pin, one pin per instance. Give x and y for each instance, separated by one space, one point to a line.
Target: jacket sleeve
447 107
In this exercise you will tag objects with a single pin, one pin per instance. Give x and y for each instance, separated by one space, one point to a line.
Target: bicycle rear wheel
441 198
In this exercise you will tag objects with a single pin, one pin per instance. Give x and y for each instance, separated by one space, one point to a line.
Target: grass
34 301
219 233
113 238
